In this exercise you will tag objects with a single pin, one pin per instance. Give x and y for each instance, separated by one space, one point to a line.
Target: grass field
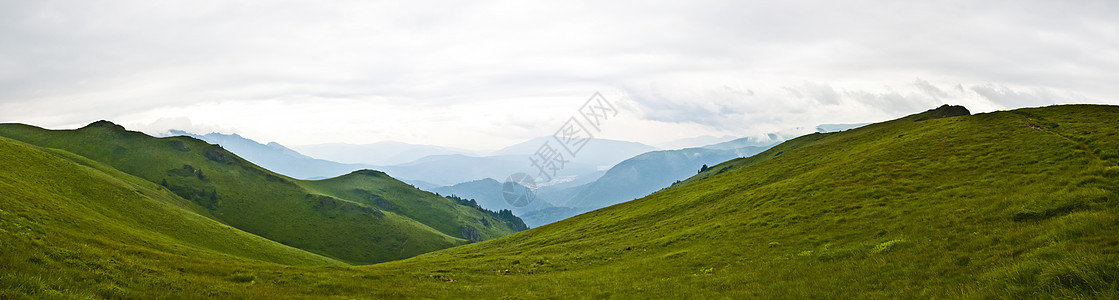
333 222
1016 204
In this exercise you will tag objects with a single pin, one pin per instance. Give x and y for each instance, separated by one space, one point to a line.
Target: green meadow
941 204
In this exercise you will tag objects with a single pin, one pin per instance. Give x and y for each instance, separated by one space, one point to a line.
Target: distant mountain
489 194
428 167
444 170
420 184
276 157
825 128
87 198
646 173
1005 205
427 173
694 142
748 142
380 153
943 204
630 179
552 214
602 153
447 170
559 195
362 217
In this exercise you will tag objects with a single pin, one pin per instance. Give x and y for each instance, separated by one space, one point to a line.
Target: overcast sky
485 74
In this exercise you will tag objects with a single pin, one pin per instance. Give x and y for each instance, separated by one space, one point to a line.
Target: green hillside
72 225
1017 204
489 194
240 194
376 189
646 173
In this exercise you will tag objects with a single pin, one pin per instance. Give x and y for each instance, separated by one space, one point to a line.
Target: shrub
243 277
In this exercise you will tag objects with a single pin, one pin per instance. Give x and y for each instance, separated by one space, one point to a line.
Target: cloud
930 89
818 94
1033 96
163 125
674 103
729 67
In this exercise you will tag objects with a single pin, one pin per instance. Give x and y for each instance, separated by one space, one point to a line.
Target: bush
243 277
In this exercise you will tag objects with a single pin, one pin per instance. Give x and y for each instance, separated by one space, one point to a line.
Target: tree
704 168
213 204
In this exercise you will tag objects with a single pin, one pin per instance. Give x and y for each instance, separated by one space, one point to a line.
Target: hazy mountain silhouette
380 153
276 157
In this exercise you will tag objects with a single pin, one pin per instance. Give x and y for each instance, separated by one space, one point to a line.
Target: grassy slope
646 173
250 198
72 224
376 189
1007 204
1019 203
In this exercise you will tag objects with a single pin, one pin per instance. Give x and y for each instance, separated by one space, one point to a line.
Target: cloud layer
480 74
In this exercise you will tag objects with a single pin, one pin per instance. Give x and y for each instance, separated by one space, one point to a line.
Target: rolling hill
940 204
378 190
342 222
73 226
489 195
585 167
646 173
630 179
1017 204
451 169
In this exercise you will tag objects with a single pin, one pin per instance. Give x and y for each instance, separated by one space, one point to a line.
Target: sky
487 74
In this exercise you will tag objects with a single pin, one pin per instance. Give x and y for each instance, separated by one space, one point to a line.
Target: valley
940 204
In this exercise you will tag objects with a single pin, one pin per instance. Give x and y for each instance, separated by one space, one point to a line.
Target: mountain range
694 142
379 153
362 217
489 194
939 204
276 157
583 185
629 179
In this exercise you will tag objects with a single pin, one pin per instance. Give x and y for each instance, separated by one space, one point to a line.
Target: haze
486 74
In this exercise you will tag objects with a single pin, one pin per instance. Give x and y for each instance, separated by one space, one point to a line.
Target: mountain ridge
273 206
938 204
379 153
275 157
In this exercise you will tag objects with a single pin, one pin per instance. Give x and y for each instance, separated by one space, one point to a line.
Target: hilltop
355 227
940 204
